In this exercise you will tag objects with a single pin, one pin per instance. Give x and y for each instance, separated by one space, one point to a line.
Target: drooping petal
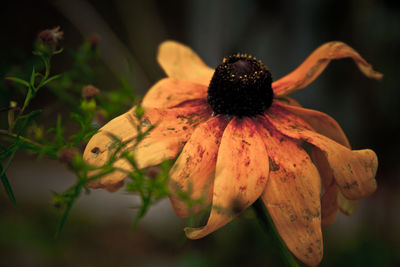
347 206
169 92
332 199
292 195
321 123
172 129
240 177
329 203
354 171
193 171
180 62
312 67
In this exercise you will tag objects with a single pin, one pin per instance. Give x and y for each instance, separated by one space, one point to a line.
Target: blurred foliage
25 129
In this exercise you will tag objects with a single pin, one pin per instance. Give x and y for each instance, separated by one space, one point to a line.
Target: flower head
240 138
51 37
89 92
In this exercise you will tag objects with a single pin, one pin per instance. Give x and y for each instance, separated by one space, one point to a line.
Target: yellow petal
312 67
292 195
240 177
180 62
354 171
321 123
169 92
193 171
100 148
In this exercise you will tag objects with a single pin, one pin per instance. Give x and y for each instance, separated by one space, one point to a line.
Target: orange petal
354 171
292 195
289 101
193 171
173 128
240 177
99 149
312 67
347 206
170 92
321 123
329 203
180 62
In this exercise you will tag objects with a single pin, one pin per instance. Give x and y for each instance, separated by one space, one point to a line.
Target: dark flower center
240 86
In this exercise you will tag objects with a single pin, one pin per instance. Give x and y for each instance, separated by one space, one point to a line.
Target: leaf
59 132
33 76
64 218
30 114
72 198
18 80
51 79
6 183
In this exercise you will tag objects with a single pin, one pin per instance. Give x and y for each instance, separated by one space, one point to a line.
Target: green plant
26 132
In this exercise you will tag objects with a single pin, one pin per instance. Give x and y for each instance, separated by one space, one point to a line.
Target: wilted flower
242 138
89 92
51 37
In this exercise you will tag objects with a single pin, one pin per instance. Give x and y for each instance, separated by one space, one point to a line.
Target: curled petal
321 123
292 195
329 203
193 171
180 62
354 171
240 177
172 129
312 67
169 92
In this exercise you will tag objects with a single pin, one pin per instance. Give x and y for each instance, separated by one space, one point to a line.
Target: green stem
266 220
26 102
26 140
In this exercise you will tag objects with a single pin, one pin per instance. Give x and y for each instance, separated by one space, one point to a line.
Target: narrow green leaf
7 186
18 80
63 218
30 114
51 79
72 198
59 131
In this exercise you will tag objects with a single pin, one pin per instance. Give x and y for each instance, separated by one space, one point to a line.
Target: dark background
281 34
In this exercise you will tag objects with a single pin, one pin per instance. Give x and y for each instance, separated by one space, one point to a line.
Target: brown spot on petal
261 180
272 165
